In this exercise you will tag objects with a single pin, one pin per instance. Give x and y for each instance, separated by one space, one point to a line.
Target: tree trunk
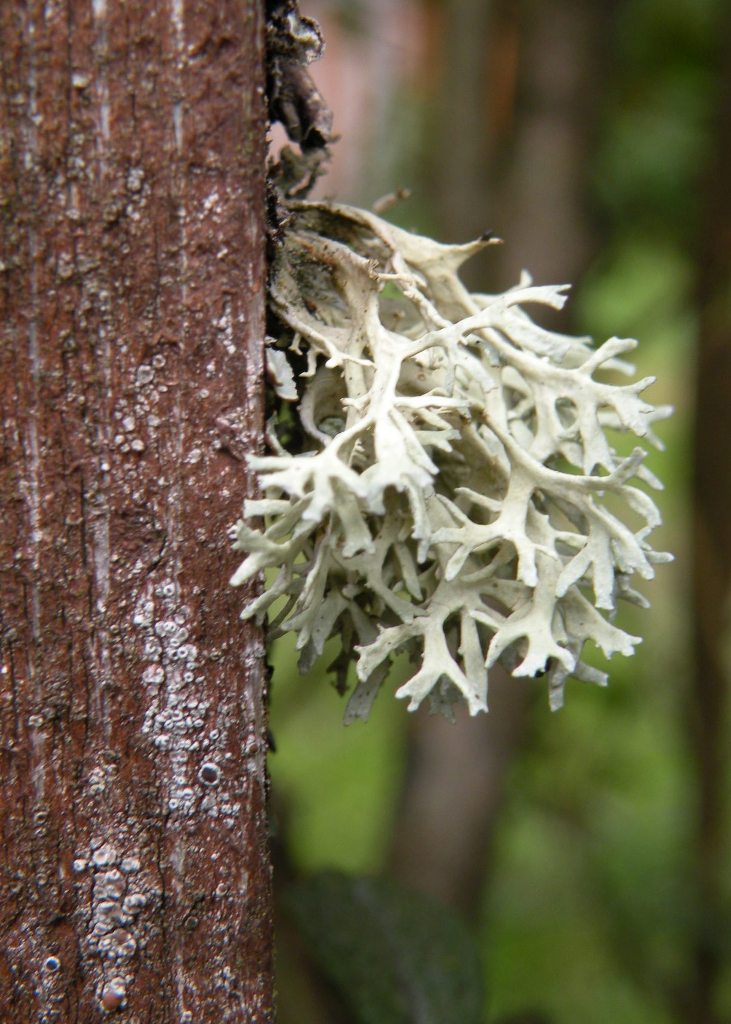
136 876
563 56
710 697
503 82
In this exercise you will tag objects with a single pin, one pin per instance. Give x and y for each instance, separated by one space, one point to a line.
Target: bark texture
135 871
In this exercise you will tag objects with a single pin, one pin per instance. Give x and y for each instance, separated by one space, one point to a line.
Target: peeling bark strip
135 871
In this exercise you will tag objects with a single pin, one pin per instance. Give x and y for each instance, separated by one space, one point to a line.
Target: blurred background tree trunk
135 865
709 696
517 110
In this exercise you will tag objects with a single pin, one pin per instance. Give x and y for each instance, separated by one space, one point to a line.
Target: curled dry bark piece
452 502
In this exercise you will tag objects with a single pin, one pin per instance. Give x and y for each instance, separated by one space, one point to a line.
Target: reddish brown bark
136 877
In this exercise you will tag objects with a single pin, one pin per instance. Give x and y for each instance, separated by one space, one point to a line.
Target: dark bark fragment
293 42
135 866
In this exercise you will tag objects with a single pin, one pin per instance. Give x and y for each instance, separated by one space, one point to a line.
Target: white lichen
450 488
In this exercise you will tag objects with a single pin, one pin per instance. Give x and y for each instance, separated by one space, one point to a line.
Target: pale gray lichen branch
445 491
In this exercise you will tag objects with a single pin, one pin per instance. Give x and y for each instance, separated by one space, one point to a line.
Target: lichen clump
457 497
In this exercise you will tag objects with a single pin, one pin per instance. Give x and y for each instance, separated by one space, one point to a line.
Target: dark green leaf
396 957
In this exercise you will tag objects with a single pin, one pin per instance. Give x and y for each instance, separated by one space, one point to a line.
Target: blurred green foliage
334 788
396 957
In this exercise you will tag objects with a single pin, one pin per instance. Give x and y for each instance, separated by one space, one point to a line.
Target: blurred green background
587 850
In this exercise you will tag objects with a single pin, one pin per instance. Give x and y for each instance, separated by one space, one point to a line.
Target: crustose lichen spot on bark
447 486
